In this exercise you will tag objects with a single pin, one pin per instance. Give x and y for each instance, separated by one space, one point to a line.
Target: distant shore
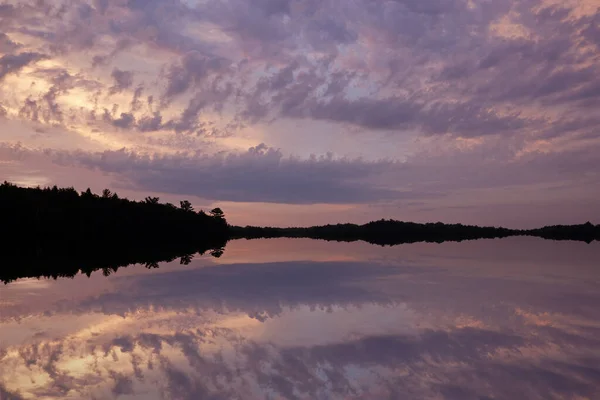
391 232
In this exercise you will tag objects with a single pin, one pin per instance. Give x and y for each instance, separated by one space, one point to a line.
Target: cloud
482 67
7 10
212 97
5 394
325 34
123 384
261 174
12 63
466 120
493 71
194 69
150 123
242 287
265 175
463 362
6 44
30 110
125 121
123 80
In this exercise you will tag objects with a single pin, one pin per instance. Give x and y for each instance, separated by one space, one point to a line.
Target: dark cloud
587 95
389 113
194 69
123 80
6 44
261 174
273 7
252 23
150 123
53 110
123 384
431 7
261 291
121 45
124 343
394 113
136 103
181 386
213 96
396 349
11 63
327 33
7 10
125 121
64 81
30 110
101 5
5 394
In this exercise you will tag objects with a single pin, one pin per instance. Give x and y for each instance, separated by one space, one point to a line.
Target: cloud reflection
420 321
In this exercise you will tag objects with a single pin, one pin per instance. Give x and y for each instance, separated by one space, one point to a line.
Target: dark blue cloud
12 63
261 174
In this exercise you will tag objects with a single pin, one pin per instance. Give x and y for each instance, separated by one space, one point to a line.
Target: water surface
515 318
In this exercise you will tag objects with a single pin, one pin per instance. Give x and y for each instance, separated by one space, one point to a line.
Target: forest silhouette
59 232
391 232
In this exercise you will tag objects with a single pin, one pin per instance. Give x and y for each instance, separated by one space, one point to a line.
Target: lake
515 318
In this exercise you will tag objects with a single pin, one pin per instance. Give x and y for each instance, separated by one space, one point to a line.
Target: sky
302 112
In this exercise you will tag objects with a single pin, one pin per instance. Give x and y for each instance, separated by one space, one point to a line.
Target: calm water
516 318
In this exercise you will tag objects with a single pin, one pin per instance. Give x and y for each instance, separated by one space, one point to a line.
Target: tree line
382 232
47 213
391 232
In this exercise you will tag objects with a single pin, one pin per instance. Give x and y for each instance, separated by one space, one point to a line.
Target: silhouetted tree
217 252
87 194
217 213
152 200
186 259
186 205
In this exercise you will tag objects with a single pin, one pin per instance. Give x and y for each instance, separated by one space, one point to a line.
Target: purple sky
296 112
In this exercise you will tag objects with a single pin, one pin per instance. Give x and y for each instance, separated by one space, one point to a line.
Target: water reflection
297 319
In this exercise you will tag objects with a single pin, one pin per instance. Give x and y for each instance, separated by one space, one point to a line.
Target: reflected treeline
587 232
55 259
390 232
56 232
